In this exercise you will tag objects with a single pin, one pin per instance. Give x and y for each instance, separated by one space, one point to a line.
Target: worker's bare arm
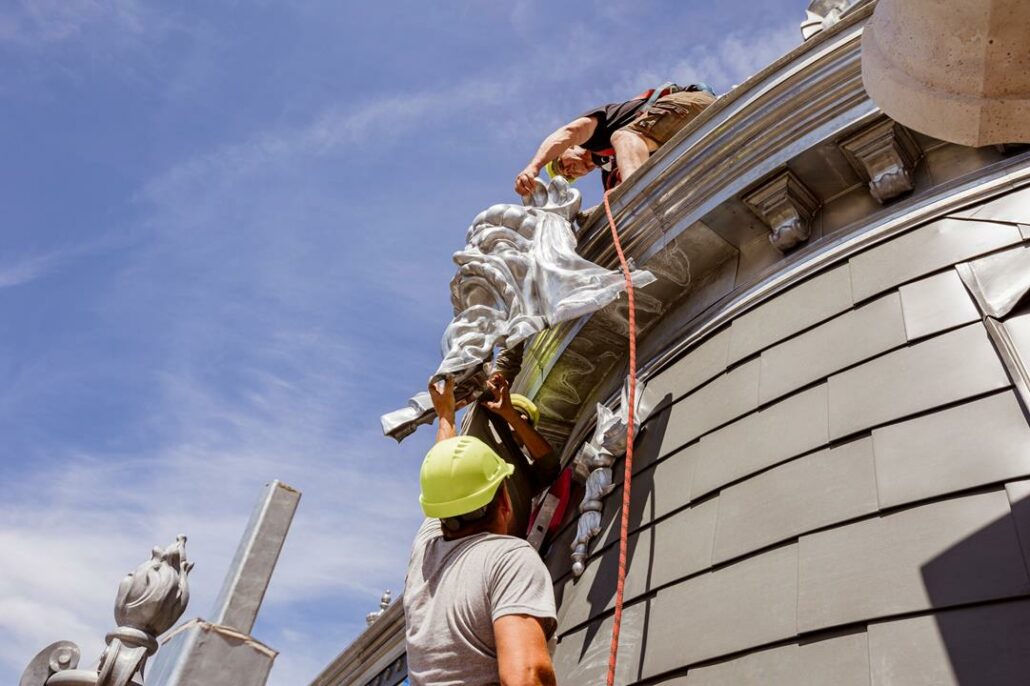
576 132
535 443
442 393
522 657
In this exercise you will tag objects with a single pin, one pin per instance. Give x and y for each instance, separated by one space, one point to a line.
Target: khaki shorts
669 114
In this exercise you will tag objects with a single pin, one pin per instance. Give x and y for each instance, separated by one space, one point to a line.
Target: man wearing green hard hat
478 604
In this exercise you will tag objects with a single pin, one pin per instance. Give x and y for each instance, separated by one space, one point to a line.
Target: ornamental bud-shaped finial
154 596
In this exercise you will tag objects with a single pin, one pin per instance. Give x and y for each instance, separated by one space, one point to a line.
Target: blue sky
227 230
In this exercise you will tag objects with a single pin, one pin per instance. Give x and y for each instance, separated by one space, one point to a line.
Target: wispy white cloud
722 63
27 269
34 22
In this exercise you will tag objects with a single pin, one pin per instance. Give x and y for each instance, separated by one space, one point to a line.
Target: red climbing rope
628 473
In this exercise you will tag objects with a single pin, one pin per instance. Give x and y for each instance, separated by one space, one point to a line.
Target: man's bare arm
522 657
535 443
576 132
443 403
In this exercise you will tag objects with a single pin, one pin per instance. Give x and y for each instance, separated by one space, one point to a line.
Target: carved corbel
786 207
884 154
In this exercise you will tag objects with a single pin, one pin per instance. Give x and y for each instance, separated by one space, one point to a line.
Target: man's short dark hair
477 518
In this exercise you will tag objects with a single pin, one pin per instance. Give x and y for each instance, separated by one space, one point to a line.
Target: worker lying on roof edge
618 137
478 604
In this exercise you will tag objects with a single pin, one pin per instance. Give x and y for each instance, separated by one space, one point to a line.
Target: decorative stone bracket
884 154
786 207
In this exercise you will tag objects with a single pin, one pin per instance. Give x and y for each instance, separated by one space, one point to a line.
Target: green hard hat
460 475
527 407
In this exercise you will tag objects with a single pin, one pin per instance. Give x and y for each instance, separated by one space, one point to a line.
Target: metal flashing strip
1018 369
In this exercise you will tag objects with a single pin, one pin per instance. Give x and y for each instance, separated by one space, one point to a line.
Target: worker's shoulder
511 549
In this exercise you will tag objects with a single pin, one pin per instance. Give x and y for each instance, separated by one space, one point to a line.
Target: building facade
835 484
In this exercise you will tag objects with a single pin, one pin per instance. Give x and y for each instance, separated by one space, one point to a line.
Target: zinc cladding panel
841 342
929 248
1018 493
802 495
762 439
1018 327
704 362
726 398
594 592
558 559
582 656
737 607
936 303
944 553
683 543
1013 207
974 645
656 491
955 365
840 660
809 303
976 443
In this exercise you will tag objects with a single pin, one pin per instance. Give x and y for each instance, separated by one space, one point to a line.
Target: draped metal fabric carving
518 274
149 601
595 459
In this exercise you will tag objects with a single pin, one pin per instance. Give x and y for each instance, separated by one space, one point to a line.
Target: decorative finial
149 601
384 603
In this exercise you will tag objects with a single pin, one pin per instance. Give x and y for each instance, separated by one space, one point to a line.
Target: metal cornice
800 100
370 653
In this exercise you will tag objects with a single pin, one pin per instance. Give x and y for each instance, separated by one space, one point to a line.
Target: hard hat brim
471 502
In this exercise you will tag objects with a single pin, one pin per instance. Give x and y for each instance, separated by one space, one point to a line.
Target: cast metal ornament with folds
518 274
594 462
149 601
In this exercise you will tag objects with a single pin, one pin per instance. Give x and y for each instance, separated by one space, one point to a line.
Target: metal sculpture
149 601
384 603
595 459
518 274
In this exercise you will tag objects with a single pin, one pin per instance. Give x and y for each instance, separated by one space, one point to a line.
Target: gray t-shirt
453 593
